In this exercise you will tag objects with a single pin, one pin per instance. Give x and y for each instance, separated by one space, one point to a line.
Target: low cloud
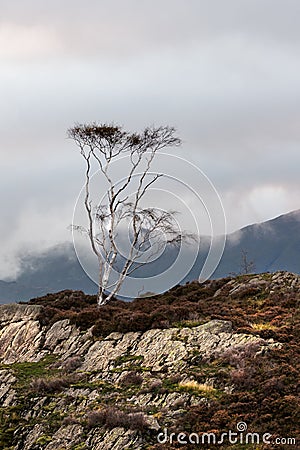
226 74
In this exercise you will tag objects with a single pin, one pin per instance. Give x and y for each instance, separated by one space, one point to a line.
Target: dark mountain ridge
272 245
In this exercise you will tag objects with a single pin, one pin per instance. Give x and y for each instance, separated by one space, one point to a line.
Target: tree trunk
101 300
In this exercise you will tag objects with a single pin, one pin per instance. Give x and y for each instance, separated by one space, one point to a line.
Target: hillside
50 271
199 358
272 245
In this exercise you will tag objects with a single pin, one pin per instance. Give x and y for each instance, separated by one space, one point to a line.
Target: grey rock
66 437
20 341
115 439
155 353
7 393
16 313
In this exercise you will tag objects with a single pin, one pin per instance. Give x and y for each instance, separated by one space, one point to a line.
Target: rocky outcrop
23 339
283 281
68 390
155 353
20 333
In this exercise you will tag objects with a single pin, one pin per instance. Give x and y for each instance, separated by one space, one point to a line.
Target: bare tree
247 265
102 144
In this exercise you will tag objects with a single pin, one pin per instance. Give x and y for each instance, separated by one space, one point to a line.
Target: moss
25 371
9 421
127 358
43 440
6 437
131 368
81 446
50 407
261 386
101 386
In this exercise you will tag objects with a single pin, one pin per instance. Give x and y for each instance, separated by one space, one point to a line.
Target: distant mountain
51 271
272 245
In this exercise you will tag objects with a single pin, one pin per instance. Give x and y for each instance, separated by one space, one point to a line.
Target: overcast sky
226 74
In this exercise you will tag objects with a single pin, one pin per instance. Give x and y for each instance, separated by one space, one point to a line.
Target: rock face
154 352
279 281
20 334
70 391
23 339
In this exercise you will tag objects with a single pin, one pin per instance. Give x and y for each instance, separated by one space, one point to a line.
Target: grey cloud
116 28
226 74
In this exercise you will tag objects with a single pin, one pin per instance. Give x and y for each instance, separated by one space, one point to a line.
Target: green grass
131 368
10 416
25 371
9 421
128 358
43 440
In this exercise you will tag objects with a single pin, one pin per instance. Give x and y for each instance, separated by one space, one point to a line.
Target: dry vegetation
264 386
268 315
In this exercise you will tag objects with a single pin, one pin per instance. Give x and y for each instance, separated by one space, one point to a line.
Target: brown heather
257 385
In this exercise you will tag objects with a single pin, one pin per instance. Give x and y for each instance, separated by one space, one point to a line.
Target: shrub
49 385
243 378
70 420
131 378
239 356
189 302
155 385
96 419
112 418
72 363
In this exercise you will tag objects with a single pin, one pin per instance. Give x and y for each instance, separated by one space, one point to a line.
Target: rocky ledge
62 388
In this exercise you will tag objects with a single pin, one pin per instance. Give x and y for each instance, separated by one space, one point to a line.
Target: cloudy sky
226 74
